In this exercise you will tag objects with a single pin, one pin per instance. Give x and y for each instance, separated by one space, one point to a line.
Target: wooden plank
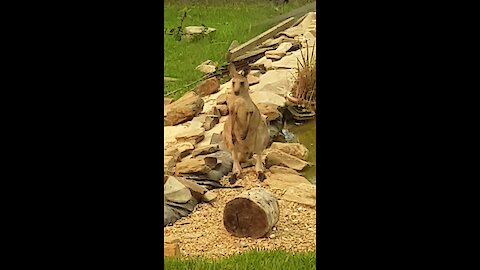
254 42
251 53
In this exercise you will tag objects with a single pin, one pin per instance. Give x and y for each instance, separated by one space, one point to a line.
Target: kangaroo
245 131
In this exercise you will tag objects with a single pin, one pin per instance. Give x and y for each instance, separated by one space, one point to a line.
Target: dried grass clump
304 91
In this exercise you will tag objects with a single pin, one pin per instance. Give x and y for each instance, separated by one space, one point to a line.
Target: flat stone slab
303 194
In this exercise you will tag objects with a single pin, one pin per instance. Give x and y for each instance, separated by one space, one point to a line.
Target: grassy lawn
234 20
271 260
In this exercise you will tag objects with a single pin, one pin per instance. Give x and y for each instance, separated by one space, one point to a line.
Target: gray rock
175 191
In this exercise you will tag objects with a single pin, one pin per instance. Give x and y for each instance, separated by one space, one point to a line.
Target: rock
281 39
252 79
210 121
179 150
269 110
214 111
222 99
268 64
196 165
169 215
284 180
218 128
184 109
302 194
209 196
279 82
223 109
169 79
175 191
280 169
291 61
168 164
170 132
208 86
216 138
171 239
207 67
167 100
205 150
196 190
267 97
198 30
171 250
192 136
226 162
277 157
184 209
280 51
275 57
255 73
295 149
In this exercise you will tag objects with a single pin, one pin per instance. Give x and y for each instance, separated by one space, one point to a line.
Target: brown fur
245 132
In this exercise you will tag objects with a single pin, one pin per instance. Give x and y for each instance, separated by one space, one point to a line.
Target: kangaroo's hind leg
236 169
259 168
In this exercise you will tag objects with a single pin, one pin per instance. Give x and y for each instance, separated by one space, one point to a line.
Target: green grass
258 260
234 20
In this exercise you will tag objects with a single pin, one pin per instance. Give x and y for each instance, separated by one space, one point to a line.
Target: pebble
272 235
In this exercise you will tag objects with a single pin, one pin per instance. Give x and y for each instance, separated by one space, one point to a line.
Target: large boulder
295 149
182 110
208 87
303 194
277 157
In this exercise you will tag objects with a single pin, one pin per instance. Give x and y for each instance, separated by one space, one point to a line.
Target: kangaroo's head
239 82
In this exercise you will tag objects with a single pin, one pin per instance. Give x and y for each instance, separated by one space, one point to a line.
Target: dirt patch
202 233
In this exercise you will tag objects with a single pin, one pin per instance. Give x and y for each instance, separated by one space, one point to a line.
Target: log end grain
251 214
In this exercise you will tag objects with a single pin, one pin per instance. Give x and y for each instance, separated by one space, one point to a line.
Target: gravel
202 232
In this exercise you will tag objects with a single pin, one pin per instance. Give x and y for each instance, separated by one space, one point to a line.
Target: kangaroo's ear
246 71
232 70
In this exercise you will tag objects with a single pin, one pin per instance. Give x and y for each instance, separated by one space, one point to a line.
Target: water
307 135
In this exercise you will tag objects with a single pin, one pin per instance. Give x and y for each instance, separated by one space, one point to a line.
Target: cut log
251 214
